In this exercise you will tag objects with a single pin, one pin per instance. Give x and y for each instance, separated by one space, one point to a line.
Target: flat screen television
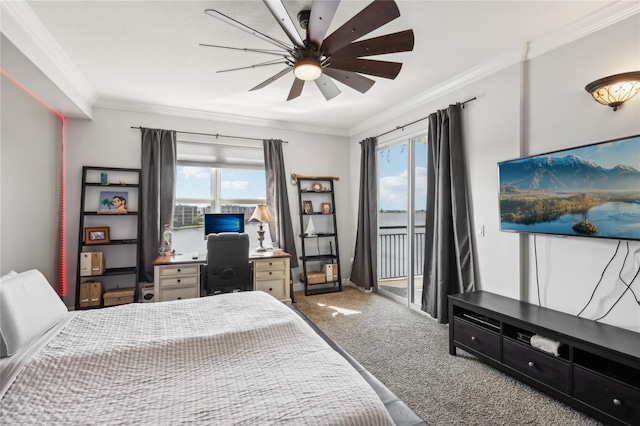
214 223
588 191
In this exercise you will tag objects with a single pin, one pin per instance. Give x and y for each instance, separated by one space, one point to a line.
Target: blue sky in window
393 177
195 182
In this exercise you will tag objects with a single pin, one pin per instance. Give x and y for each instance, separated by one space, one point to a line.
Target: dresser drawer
614 398
544 368
178 270
179 293
270 275
477 338
270 265
179 281
273 287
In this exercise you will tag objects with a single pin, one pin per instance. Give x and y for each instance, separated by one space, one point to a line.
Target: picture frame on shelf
96 235
308 207
113 202
326 208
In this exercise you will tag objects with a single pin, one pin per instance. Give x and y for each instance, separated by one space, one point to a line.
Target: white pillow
28 308
9 275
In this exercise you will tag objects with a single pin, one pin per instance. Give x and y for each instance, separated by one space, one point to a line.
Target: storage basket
314 277
119 296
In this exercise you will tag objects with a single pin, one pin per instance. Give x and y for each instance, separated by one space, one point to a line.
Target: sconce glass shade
307 69
615 89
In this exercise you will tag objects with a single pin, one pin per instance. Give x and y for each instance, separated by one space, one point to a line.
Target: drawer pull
617 402
474 338
178 279
179 270
270 273
531 364
614 399
179 298
270 263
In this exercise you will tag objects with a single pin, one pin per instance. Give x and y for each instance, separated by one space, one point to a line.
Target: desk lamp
263 215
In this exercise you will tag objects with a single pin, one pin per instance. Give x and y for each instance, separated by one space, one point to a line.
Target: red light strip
62 290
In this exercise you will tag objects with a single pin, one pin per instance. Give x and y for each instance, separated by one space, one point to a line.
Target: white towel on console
545 344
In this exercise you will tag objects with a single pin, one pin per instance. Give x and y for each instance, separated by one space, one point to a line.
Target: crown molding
23 28
214 116
590 24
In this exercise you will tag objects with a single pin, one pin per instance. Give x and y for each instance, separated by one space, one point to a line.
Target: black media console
597 369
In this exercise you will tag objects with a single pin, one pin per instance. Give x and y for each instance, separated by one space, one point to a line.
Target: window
216 178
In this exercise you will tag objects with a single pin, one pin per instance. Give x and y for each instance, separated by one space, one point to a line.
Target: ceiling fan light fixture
307 69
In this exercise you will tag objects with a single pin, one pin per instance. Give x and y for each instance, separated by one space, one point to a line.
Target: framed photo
326 208
97 235
308 207
113 202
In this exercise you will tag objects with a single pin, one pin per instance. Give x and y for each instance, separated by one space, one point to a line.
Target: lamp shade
261 214
616 89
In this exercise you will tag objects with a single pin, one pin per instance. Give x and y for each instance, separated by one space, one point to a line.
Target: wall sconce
615 89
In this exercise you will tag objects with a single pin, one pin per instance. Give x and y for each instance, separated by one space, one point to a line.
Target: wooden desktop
178 276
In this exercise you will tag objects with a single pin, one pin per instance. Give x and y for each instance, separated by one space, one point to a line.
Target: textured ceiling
147 52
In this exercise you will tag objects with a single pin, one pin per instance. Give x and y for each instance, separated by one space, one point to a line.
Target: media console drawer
477 338
610 396
543 367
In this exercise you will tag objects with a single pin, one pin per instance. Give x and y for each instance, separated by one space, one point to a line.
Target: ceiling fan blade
327 87
267 52
277 9
271 79
262 64
367 66
296 89
237 24
351 79
374 16
391 43
322 12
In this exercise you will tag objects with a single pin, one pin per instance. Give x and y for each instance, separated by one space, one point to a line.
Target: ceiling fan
337 56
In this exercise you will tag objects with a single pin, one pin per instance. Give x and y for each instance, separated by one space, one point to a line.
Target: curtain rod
420 119
216 135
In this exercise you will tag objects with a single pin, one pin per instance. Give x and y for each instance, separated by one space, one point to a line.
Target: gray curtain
278 200
364 272
448 262
158 193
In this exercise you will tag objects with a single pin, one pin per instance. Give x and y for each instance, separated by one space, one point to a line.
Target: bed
231 359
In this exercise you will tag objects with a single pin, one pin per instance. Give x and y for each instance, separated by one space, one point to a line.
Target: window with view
201 190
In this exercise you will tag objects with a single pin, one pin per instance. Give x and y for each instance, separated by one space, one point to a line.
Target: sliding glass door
401 218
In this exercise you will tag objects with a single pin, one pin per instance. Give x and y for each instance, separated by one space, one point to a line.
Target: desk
178 276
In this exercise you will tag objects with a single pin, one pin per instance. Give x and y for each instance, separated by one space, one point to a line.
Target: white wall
560 114
542 103
30 170
108 140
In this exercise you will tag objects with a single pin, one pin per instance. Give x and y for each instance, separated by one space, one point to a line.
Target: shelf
318 257
129 230
317 214
310 191
110 214
113 185
323 290
115 271
112 243
319 235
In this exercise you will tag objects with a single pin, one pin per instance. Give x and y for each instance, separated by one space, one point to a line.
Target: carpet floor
409 353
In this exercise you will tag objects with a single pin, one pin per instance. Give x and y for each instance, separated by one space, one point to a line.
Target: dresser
178 276
272 274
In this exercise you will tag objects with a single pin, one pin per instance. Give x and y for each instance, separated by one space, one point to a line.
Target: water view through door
401 219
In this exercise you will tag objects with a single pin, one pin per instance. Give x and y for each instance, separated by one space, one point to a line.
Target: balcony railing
393 251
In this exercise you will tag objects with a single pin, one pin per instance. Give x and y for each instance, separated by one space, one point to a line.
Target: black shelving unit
126 226
318 191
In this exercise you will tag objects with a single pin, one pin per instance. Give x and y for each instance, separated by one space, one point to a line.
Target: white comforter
234 359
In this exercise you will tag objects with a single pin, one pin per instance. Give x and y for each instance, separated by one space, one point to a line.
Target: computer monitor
215 223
